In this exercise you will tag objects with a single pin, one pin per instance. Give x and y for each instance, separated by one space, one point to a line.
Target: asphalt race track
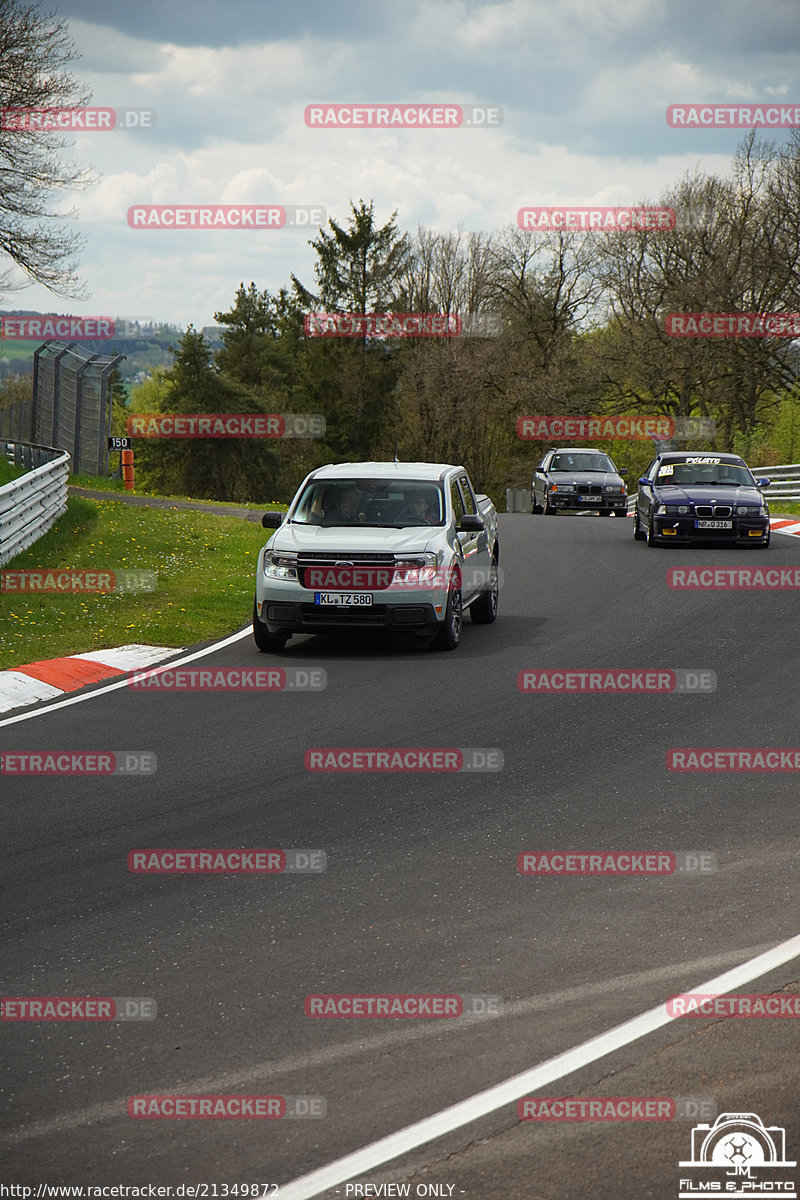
421 892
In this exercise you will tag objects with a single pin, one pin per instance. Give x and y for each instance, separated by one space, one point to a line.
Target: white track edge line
482 1103
121 683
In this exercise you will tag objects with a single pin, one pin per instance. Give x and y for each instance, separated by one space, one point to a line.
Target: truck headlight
279 566
415 570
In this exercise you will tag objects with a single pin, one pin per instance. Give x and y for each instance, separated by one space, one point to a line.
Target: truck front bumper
281 616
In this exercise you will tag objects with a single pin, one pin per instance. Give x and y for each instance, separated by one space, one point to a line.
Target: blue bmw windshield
681 474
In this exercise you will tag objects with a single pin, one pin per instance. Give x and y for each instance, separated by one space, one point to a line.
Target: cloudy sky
583 85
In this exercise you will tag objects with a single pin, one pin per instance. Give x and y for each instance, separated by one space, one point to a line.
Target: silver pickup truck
404 547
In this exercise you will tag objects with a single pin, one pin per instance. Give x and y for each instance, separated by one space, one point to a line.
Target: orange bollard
127 469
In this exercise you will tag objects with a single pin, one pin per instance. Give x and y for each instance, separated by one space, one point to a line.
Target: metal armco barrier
785 483
30 505
518 500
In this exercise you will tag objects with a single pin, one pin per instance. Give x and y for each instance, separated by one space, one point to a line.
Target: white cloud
584 84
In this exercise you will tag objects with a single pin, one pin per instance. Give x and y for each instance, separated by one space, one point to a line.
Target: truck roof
386 470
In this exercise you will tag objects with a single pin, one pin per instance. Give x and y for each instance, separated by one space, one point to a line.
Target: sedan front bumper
578 502
743 531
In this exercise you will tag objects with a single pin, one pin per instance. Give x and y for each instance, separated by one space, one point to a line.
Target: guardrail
30 505
785 479
784 483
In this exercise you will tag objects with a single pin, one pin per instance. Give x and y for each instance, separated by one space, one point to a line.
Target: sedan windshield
709 475
384 503
592 461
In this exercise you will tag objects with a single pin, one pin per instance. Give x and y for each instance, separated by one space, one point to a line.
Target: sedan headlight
562 487
748 511
280 566
619 488
673 510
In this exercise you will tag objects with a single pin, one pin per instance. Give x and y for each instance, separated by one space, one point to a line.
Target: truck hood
354 539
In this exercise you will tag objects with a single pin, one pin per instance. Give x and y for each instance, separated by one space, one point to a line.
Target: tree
35 50
455 403
263 350
353 380
359 268
262 341
212 468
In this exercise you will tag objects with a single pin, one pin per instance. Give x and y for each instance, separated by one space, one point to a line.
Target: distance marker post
125 447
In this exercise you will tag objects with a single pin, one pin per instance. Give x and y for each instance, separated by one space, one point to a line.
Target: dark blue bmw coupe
700 498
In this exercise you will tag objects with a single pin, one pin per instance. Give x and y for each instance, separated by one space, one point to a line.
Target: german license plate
348 599
713 524
589 500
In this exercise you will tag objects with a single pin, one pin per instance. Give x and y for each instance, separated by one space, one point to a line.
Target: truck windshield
389 503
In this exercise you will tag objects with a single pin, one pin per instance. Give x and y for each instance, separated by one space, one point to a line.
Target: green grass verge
107 483
777 507
205 565
8 472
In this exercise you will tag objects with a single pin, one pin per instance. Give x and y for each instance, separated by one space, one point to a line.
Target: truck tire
484 610
267 642
448 637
